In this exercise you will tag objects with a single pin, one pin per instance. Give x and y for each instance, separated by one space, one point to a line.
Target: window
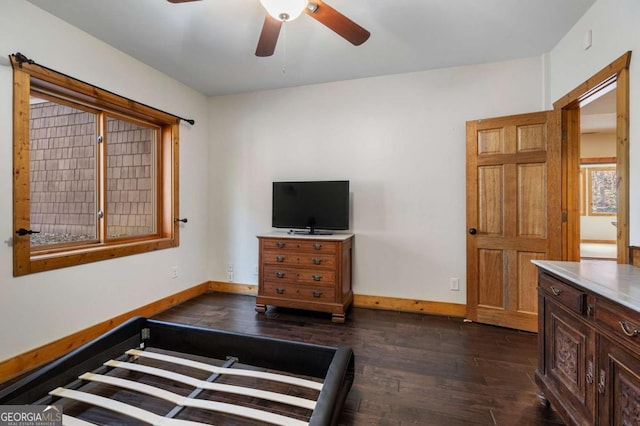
598 187
95 174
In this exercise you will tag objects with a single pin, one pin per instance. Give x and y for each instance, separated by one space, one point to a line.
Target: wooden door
513 214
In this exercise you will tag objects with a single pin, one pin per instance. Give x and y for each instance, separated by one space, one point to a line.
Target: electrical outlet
454 284
174 272
230 276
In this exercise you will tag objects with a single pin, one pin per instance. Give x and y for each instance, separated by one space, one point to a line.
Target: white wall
598 228
598 145
615 30
40 308
399 139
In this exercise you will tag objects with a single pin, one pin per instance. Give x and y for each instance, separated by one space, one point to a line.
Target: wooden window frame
585 181
28 76
582 185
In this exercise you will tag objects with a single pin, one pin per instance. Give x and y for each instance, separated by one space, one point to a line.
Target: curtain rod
21 59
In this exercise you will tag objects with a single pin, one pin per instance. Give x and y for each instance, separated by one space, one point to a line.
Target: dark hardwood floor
410 368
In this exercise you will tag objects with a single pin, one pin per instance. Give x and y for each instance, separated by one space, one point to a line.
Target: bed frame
247 378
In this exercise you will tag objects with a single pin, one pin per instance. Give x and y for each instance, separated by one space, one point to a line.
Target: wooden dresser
589 341
305 272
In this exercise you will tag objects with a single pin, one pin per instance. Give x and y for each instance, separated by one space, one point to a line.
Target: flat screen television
312 206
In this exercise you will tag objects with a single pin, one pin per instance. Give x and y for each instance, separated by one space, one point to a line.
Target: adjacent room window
95 174
598 188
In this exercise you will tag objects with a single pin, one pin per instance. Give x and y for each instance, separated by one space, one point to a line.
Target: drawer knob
280 244
556 291
317 246
316 261
629 329
280 290
280 274
602 383
316 277
317 293
279 258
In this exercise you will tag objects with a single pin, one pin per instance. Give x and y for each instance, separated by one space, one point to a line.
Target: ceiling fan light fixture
284 10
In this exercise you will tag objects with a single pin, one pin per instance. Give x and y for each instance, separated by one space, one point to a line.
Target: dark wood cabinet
569 348
312 273
589 359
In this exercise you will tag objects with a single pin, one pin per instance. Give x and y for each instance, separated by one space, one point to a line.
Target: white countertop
620 283
285 234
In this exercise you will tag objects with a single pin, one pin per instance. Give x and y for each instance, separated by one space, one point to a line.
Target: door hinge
565 217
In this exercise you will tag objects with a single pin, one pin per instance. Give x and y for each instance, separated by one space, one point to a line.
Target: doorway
597 190
613 78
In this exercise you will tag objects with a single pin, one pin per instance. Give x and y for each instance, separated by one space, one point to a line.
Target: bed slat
122 408
197 383
184 401
230 371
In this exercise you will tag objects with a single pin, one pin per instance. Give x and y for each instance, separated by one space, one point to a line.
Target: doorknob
472 231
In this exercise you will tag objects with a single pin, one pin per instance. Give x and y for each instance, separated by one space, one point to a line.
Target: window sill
50 261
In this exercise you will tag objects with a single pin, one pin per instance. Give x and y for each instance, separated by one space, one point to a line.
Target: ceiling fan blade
181 1
268 36
337 22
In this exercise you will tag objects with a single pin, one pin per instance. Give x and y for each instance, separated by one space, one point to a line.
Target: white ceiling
209 45
599 116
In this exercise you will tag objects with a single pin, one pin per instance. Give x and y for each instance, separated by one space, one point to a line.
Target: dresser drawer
280 274
297 259
617 320
287 244
566 295
320 247
299 292
318 277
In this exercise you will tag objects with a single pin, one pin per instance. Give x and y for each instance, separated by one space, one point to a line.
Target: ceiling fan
279 11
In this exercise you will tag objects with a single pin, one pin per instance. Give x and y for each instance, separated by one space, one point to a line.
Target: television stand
305 272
